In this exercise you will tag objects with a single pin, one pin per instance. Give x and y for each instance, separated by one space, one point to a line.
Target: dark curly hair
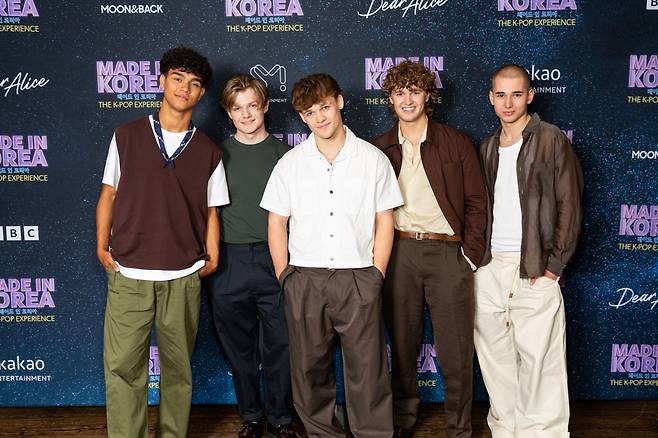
187 60
409 74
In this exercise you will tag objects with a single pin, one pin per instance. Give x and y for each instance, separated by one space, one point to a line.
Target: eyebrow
181 75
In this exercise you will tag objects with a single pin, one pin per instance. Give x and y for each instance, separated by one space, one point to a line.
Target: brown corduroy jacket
550 189
453 171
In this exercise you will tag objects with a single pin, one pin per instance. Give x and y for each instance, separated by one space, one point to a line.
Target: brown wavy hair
410 74
312 89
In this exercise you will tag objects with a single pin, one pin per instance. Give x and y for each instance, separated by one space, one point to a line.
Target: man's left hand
208 268
548 274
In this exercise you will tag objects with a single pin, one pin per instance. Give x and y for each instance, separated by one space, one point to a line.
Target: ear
203 91
531 95
266 107
427 96
162 81
340 101
491 97
302 117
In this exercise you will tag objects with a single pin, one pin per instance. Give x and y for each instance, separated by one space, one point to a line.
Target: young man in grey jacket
534 183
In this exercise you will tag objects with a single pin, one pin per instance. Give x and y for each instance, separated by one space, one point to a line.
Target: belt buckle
418 236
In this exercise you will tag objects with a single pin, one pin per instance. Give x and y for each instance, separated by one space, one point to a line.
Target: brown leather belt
427 236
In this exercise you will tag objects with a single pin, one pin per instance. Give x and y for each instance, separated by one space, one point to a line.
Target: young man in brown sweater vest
162 183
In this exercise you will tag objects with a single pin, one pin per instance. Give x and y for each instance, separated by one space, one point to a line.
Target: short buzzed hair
512 71
241 83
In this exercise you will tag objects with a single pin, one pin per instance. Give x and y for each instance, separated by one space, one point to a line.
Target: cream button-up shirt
421 211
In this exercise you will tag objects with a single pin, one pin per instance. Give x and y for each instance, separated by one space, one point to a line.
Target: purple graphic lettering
128 77
425 362
639 220
263 8
14 153
376 69
18 8
634 358
643 71
18 293
292 138
154 362
536 5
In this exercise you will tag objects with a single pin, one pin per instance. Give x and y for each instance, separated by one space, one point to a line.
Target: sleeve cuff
473 267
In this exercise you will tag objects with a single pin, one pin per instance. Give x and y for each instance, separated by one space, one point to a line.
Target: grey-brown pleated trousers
322 306
435 272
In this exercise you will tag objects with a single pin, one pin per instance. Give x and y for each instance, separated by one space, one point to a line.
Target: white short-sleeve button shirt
332 207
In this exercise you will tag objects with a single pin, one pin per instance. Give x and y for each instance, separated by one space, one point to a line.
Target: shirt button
328 169
331 192
331 259
331 213
331 235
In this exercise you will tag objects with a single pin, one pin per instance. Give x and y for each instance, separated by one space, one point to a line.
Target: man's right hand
278 273
106 259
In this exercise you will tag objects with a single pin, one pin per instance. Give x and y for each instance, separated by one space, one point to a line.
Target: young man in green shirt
247 309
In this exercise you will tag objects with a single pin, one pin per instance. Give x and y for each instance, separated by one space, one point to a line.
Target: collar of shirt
407 147
349 148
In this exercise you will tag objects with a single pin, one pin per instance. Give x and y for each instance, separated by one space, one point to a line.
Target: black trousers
250 321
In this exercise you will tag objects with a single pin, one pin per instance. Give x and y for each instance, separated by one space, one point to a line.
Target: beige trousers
520 344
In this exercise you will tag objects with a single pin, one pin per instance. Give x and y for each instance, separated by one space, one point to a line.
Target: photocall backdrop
70 72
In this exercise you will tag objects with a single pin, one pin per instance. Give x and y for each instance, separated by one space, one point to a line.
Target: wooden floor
595 419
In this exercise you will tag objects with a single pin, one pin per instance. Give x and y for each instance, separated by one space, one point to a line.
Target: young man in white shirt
162 183
336 193
535 184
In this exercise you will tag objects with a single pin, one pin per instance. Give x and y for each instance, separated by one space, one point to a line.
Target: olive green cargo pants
132 307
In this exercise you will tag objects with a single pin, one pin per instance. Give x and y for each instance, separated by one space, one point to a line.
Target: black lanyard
158 134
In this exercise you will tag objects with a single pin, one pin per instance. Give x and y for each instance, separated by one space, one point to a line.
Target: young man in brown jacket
439 241
535 184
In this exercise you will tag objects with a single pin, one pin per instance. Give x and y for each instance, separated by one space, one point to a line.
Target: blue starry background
592 59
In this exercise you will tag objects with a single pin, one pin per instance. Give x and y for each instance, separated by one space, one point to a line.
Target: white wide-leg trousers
520 344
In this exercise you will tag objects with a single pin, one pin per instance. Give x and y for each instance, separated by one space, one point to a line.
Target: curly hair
312 89
409 74
187 60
